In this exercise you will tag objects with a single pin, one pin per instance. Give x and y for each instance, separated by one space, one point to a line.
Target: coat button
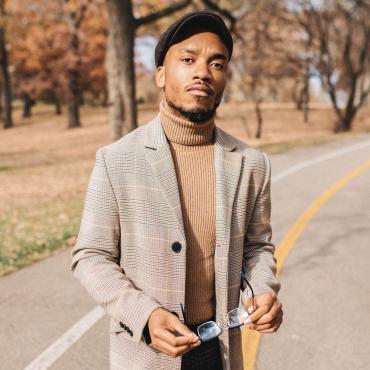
176 247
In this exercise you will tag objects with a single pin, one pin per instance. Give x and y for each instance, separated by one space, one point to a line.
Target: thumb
184 330
249 305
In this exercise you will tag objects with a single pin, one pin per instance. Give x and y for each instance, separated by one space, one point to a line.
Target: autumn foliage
57 51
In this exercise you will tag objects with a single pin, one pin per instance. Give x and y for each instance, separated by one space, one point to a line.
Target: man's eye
186 60
218 65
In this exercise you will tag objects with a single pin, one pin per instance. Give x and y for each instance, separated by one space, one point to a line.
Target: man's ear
160 78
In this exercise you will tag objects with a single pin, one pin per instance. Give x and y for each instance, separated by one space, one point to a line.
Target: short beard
198 116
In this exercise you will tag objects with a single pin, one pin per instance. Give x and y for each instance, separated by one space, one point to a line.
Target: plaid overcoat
125 256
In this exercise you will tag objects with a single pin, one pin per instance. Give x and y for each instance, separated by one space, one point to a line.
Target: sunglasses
211 329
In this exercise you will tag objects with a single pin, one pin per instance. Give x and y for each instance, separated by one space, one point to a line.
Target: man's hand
266 314
169 335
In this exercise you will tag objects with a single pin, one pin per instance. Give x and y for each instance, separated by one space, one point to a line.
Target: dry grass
44 167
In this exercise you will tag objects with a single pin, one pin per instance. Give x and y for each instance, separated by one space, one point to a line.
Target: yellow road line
251 338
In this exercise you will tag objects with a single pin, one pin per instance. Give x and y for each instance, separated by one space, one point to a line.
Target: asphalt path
325 285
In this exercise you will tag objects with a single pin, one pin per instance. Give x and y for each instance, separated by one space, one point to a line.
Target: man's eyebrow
216 55
219 56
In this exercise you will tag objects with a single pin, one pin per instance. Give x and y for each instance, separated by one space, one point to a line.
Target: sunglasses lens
208 331
237 317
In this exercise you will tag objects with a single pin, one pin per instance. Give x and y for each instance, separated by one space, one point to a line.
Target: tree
343 32
115 97
123 27
93 45
45 65
6 85
303 53
259 58
74 12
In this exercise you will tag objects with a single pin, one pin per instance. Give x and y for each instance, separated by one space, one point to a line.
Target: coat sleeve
95 257
259 263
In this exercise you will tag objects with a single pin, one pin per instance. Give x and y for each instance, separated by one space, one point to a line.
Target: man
175 213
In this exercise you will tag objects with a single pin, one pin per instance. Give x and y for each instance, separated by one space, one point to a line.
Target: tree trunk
7 91
1 101
306 97
81 99
257 107
55 100
74 88
58 107
115 101
27 105
297 95
345 123
73 111
123 32
346 119
73 115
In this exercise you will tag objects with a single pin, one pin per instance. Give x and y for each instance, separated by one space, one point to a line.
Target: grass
5 168
32 233
284 146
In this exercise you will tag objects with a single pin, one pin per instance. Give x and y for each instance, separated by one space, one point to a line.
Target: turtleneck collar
182 131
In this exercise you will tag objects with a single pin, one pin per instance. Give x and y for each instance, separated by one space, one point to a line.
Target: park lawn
44 167
28 234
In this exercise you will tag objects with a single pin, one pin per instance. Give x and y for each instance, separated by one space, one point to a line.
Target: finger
257 314
182 329
270 315
166 336
277 321
170 350
183 341
273 329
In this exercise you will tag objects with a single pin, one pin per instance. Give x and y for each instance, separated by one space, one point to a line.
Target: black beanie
206 20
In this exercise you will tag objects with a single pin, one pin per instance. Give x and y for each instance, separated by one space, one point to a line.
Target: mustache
202 86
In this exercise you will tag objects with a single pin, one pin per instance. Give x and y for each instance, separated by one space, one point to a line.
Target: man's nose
202 72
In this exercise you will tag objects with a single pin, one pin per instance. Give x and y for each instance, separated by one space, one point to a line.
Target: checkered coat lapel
159 157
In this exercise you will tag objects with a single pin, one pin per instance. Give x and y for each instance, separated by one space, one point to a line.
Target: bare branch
364 53
226 13
161 13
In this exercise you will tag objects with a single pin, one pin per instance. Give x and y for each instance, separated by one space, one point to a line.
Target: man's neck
183 131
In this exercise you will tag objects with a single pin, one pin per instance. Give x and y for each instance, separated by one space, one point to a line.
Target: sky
144 49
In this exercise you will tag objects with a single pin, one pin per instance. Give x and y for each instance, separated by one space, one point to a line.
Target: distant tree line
72 52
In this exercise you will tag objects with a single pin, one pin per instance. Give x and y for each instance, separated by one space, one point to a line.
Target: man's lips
200 90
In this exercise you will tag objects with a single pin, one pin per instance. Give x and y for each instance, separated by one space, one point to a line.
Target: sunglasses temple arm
249 286
183 312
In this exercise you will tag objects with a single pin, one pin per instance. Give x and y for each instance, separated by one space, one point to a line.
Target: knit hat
206 20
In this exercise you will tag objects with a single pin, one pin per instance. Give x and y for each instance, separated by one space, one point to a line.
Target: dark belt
195 326
207 356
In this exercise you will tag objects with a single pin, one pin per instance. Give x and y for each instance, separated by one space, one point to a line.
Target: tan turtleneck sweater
192 149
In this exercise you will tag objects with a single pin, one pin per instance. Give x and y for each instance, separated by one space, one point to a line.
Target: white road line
319 159
61 345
